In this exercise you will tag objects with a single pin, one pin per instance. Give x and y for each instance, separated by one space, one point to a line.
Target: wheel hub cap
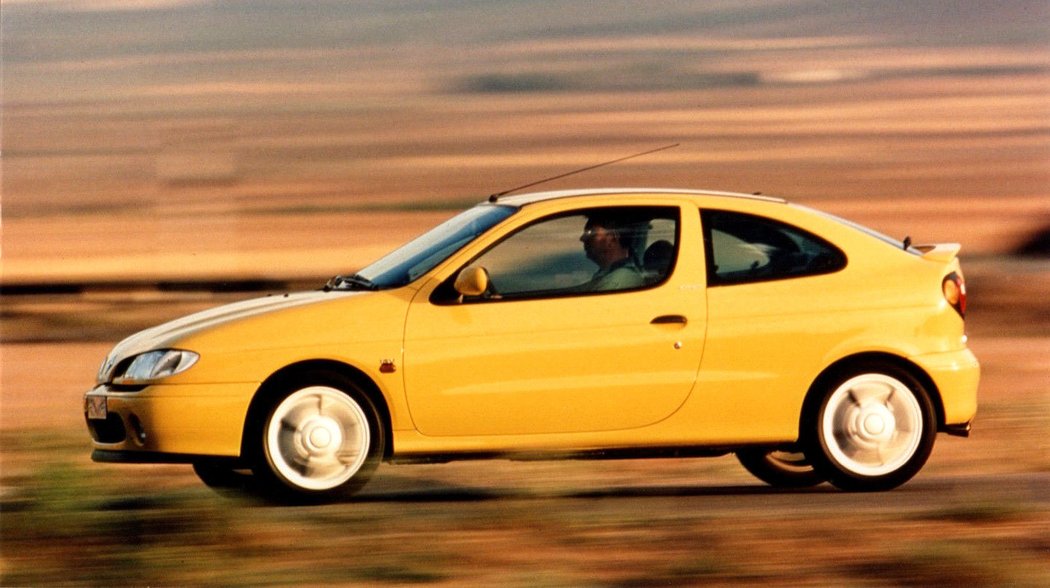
319 436
872 424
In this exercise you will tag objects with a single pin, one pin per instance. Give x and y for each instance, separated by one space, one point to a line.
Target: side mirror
472 281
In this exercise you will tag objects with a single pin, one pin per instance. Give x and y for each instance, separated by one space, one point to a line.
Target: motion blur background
161 156
175 138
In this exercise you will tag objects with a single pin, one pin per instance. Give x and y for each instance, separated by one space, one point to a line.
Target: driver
605 242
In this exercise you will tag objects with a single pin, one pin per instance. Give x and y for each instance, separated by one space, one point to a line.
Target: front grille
110 430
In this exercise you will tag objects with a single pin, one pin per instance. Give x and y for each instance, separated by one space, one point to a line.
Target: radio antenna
495 197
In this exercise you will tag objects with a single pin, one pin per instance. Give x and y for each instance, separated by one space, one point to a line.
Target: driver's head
603 239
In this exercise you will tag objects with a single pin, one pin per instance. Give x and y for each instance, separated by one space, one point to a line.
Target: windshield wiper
353 282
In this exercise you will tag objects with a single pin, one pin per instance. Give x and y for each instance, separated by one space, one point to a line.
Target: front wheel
779 468
873 429
320 440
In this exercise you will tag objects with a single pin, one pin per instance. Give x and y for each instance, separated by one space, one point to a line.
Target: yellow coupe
602 323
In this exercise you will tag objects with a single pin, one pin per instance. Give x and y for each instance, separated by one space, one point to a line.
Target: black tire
779 468
870 428
321 439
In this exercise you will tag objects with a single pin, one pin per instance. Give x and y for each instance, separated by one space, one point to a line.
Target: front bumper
956 375
162 422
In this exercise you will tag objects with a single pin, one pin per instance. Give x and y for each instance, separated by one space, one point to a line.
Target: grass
983 511
957 563
66 526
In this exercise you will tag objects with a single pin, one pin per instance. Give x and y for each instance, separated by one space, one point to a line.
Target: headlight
105 370
154 365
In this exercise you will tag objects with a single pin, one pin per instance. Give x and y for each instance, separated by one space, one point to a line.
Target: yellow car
602 323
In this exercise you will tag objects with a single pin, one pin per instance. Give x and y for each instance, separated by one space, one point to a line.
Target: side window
587 251
747 248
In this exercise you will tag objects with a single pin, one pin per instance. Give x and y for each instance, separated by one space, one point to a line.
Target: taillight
954 288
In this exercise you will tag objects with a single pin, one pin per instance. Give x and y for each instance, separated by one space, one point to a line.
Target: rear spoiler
942 252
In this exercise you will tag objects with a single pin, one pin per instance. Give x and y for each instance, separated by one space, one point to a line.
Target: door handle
669 319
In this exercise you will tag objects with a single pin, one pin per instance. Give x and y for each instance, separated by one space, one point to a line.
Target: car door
542 351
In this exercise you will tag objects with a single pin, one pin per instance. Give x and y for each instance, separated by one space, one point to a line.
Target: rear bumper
962 430
956 375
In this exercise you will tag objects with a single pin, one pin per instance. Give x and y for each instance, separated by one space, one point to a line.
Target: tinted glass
895 243
420 255
596 250
746 248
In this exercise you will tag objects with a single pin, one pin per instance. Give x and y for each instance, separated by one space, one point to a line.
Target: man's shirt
622 275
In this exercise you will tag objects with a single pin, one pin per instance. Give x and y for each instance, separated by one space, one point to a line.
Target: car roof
520 200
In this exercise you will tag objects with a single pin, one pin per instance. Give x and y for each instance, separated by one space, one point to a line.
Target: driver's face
596 241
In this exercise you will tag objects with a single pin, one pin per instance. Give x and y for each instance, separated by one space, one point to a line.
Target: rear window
895 243
743 248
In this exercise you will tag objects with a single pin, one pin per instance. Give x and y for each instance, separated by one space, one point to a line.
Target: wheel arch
851 362
287 375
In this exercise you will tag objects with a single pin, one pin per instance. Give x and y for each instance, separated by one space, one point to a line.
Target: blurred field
217 139
177 141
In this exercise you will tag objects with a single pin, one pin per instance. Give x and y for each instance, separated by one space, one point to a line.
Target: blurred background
161 156
169 139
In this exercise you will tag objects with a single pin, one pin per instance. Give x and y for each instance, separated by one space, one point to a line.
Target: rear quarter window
742 248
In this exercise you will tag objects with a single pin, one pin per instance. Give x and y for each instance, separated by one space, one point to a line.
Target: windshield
417 257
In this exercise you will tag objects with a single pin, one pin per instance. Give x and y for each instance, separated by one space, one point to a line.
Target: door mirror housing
472 281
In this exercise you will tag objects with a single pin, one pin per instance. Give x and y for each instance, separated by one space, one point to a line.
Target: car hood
169 333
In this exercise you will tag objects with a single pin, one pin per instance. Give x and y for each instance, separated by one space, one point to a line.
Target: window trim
714 280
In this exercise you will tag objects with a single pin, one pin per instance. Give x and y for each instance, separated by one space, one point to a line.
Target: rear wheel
873 429
779 468
320 440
